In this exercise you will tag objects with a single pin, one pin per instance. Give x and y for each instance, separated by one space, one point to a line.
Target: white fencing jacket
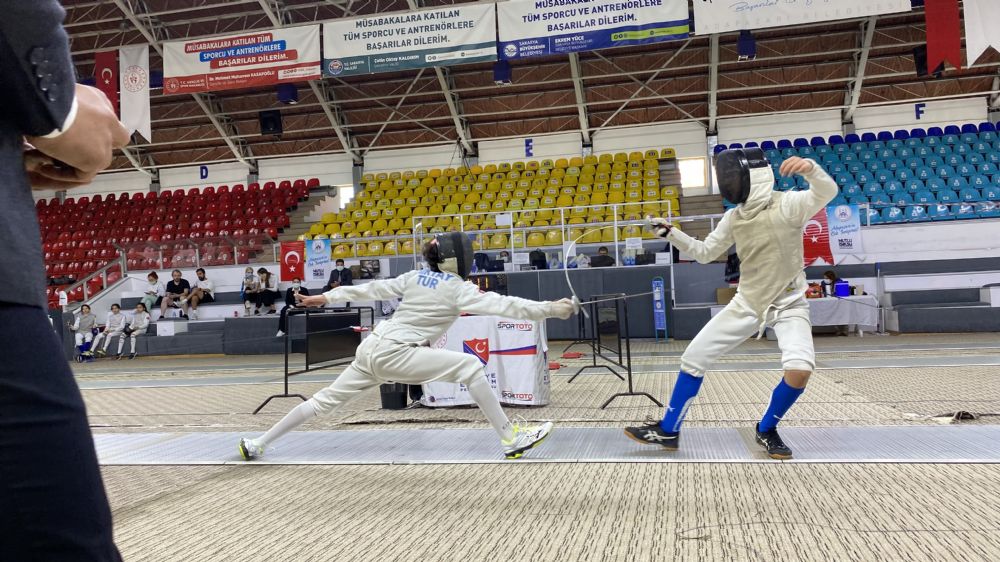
115 322
767 231
431 301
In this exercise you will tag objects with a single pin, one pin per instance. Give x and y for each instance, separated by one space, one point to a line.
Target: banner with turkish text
317 260
844 225
982 27
531 28
456 34
732 15
133 66
293 261
248 60
106 75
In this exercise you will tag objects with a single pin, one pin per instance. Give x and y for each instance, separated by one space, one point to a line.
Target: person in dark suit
53 134
602 259
340 277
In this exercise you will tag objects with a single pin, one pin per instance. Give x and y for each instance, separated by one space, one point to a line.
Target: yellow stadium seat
578 212
668 153
478 187
490 196
461 171
499 176
553 237
373 214
374 248
513 175
539 222
498 241
341 251
468 207
608 235
484 206
451 209
528 174
531 165
581 199
515 205
593 236
507 186
669 192
531 203
536 239
576 161
616 197
331 229
442 181
519 166
651 154
368 177
499 205
570 181
464 188
562 163
536 192
599 198
547 163
328 218
404 212
518 239
395 175
493 186
504 167
635 156
427 182
590 160
490 169
450 189
564 201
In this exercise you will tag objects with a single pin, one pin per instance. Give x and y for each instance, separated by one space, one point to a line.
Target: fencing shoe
525 437
249 450
654 435
770 440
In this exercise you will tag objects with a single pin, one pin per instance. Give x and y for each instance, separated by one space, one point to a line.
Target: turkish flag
293 260
816 240
106 75
944 33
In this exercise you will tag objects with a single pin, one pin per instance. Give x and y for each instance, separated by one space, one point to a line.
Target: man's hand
562 308
86 148
312 301
659 226
795 165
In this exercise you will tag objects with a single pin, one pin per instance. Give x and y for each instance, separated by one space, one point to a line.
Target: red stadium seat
211 190
285 185
313 182
254 186
270 186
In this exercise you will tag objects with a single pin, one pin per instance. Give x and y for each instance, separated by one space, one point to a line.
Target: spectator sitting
266 293
114 326
290 302
154 292
84 325
135 328
829 283
340 277
176 295
249 289
203 292
602 259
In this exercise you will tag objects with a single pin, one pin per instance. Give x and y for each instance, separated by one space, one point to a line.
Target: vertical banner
106 76
719 17
659 306
249 60
844 223
133 65
530 28
816 240
317 260
458 34
982 27
944 34
292 261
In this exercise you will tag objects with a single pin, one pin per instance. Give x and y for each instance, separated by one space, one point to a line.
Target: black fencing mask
732 170
455 250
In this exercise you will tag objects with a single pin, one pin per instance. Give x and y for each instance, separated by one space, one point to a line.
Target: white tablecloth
861 310
514 353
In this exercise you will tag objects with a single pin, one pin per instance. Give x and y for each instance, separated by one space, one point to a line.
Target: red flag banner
106 75
944 33
293 260
816 240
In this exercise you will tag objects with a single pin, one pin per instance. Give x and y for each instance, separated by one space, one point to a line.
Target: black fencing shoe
654 435
770 440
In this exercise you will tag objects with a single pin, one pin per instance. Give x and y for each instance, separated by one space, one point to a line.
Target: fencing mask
738 169
454 253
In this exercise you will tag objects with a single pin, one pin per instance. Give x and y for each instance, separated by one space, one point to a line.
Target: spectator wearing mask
290 303
153 292
829 283
602 259
266 293
249 289
113 326
340 277
135 328
203 292
177 291
84 325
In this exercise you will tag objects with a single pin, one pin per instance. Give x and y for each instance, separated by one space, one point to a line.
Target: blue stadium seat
872 188
852 138
945 171
969 138
988 136
836 139
979 181
751 144
954 160
949 139
963 149
735 145
823 150
864 178
895 164
932 141
883 136
859 147
880 200
940 212
874 217
838 200
786 184
956 183
800 142
841 148
905 174
994 157
876 145
817 141
991 193
923 197
829 158
952 130
975 159
935 132
970 128
934 162
844 178
893 187
836 168
936 184
987 168
867 155
892 215
895 144
989 210
942 149
918 133
772 155
767 145
719 148
885 153
904 153
868 137
924 173
923 151
901 134
913 142
852 190
948 195
986 126
902 199
916 213
883 176
982 147
858 200
914 162
784 143
966 211
966 170
876 166
970 194
805 151
856 167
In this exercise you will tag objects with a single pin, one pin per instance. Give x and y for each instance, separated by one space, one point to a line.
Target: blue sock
781 400
684 392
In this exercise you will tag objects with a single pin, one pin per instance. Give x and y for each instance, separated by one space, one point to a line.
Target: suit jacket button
36 56
51 96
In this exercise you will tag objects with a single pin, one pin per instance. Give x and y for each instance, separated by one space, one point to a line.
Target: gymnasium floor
557 503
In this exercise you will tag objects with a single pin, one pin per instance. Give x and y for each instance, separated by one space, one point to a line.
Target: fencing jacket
431 301
767 231
140 321
115 322
85 323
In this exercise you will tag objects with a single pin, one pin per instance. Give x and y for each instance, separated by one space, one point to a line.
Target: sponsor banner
981 29
735 15
659 305
293 258
458 34
106 75
531 28
844 222
512 352
134 71
318 261
816 240
242 61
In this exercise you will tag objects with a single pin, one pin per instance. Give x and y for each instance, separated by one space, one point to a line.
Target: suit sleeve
374 291
800 206
471 301
714 245
346 277
35 67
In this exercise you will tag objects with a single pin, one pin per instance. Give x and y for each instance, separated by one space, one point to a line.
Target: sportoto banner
242 61
719 16
531 28
463 33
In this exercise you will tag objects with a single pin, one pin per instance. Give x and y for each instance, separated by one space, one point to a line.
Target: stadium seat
939 212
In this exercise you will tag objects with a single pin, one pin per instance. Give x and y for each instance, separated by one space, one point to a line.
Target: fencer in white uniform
84 325
766 227
136 327
397 350
112 327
